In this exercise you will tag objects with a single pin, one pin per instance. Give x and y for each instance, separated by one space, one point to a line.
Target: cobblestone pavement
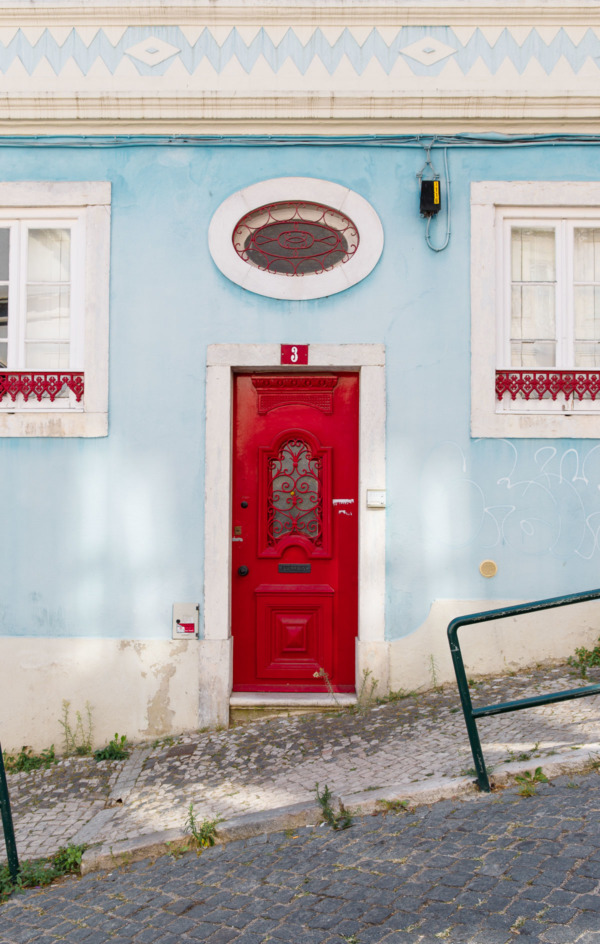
270 764
484 870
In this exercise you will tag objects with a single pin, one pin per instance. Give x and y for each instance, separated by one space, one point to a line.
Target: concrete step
251 706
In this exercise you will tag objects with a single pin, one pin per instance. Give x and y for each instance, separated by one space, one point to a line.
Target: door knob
243 571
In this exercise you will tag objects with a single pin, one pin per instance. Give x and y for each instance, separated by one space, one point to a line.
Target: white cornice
308 114
317 14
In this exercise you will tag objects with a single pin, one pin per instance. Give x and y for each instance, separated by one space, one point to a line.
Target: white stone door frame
223 360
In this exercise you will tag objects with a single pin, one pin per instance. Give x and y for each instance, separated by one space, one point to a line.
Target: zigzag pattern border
374 47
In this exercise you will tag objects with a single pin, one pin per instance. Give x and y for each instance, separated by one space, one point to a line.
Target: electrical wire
447 240
463 140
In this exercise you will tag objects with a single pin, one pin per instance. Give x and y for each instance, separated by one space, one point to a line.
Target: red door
295 531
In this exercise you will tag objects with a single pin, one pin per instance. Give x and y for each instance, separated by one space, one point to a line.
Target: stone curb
246 826
251 825
552 766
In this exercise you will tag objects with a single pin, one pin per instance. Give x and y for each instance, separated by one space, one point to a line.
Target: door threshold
253 706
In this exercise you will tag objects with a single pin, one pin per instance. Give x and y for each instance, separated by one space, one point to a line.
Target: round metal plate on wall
488 568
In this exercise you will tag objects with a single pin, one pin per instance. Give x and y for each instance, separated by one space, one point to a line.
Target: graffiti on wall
534 499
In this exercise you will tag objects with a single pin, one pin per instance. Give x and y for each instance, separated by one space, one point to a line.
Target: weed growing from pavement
122 858
340 820
585 659
176 849
393 806
203 832
523 755
365 698
433 672
528 781
114 750
39 872
398 695
78 739
169 740
26 760
323 675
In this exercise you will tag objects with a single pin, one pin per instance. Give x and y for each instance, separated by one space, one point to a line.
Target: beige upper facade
298 68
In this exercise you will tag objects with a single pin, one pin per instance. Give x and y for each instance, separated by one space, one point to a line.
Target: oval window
295 238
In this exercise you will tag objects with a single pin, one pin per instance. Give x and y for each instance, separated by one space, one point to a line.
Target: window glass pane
4 248
533 297
295 238
48 312
586 255
587 311
3 311
295 501
49 255
587 355
532 255
41 356
533 326
3 353
587 326
536 355
532 314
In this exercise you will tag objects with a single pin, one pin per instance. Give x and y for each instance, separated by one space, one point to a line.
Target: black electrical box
430 197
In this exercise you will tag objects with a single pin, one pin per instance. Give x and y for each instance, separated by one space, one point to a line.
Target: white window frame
495 204
277 285
85 208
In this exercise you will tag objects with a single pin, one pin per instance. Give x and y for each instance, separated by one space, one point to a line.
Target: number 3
294 356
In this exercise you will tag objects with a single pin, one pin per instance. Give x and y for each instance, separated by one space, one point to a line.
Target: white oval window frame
295 288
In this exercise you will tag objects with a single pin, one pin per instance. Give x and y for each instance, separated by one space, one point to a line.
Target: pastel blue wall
102 536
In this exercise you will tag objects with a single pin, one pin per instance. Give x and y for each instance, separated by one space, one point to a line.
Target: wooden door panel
295 511
292 641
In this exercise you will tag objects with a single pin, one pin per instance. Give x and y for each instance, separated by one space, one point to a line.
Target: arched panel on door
295 495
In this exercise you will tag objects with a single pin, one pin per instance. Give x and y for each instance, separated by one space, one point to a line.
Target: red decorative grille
579 383
279 391
295 238
39 383
295 500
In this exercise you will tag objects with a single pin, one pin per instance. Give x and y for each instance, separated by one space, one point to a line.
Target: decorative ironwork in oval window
295 238
295 496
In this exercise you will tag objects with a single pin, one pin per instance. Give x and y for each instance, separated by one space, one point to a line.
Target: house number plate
294 568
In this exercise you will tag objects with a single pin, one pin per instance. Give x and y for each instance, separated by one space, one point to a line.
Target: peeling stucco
160 714
138 647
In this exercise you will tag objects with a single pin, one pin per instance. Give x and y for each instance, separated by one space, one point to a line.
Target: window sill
537 419
53 423
531 425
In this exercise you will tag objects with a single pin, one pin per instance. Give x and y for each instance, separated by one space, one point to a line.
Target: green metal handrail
471 714
7 823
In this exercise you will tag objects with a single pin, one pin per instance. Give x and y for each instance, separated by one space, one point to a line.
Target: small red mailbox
185 620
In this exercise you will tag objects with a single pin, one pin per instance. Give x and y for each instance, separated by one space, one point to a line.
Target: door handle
243 571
